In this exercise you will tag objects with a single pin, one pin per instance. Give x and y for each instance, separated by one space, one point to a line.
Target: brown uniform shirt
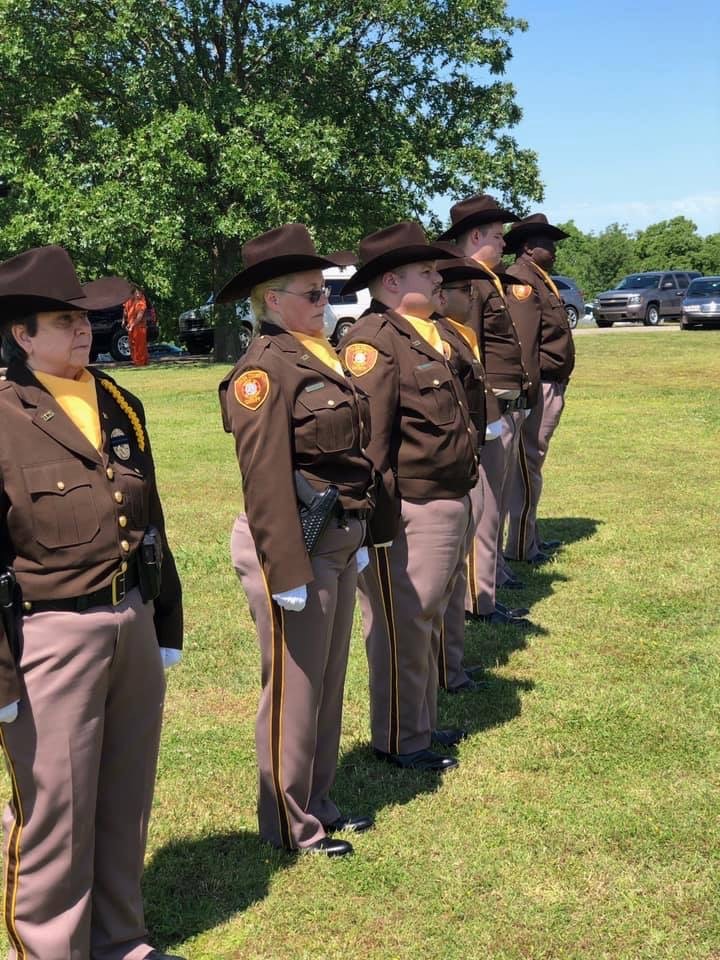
308 418
423 442
70 514
471 373
556 347
492 321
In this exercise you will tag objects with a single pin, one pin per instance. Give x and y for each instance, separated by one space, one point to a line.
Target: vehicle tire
120 345
244 337
604 323
652 315
341 329
199 346
572 315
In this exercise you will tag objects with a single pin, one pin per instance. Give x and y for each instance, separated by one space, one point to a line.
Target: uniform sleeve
556 346
168 614
9 681
381 384
264 446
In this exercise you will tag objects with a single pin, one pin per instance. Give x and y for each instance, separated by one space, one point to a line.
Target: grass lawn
583 821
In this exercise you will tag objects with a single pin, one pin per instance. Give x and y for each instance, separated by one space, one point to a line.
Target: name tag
314 386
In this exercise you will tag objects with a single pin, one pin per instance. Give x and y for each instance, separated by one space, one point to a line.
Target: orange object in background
135 308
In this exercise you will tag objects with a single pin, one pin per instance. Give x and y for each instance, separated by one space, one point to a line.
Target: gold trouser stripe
12 858
471 575
442 659
525 512
385 581
277 698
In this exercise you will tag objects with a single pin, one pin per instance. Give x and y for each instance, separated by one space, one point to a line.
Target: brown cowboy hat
534 225
474 212
461 268
392 247
44 278
287 249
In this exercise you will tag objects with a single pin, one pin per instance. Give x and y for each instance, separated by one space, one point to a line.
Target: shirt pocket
330 421
436 387
64 511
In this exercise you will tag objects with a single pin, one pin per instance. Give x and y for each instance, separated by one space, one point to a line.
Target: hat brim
415 253
516 235
99 295
478 219
239 286
451 270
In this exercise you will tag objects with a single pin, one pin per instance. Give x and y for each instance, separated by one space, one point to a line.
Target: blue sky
621 102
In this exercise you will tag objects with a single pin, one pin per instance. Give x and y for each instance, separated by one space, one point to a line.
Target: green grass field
583 821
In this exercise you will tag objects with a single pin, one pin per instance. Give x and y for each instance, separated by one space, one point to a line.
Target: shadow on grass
194 884
569 529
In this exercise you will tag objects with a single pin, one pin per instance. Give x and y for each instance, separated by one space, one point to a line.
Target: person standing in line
533 240
301 429
477 229
91 612
424 446
134 310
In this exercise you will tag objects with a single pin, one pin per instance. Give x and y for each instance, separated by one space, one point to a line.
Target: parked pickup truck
646 297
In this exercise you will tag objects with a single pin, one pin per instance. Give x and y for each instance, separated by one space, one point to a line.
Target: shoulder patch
360 358
521 291
252 389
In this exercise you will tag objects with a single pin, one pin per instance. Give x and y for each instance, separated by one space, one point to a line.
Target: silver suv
646 297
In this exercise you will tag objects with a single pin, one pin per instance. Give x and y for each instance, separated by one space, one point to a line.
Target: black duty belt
123 581
519 403
343 514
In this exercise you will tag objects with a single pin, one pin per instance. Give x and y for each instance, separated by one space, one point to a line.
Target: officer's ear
272 300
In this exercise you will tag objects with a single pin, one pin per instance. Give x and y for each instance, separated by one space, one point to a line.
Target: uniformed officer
97 613
477 229
424 446
297 419
533 240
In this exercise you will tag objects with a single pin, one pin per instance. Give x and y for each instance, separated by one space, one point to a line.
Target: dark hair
11 349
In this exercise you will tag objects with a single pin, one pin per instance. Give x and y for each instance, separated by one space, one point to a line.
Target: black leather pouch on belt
8 597
149 563
316 509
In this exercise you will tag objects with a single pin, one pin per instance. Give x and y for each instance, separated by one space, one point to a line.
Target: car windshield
638 281
707 287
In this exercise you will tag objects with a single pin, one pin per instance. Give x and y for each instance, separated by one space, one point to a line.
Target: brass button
60 485
436 383
125 545
122 520
118 496
110 473
459 403
123 567
331 403
27 605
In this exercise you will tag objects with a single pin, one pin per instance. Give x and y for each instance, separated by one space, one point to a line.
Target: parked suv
572 298
109 334
648 297
348 307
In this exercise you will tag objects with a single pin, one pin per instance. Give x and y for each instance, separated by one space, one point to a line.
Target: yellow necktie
547 278
495 278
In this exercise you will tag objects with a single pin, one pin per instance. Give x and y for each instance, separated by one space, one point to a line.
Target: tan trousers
496 461
403 597
452 636
82 757
525 486
303 663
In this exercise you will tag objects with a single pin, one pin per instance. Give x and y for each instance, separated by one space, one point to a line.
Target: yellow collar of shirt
546 277
78 399
468 335
321 348
428 331
494 277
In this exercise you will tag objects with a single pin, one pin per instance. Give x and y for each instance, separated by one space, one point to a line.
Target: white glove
362 558
527 411
170 656
9 713
293 600
493 431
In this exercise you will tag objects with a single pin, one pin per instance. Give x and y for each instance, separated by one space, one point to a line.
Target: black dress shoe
512 611
350 824
329 846
539 559
154 955
497 619
419 760
473 672
449 736
512 585
467 686
546 545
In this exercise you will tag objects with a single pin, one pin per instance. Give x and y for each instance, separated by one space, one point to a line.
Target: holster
149 564
8 610
316 509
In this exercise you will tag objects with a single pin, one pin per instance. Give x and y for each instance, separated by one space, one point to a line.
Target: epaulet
5 384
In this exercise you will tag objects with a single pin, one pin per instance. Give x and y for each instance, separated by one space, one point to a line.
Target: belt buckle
118 588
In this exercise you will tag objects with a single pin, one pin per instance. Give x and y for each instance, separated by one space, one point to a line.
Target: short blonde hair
257 294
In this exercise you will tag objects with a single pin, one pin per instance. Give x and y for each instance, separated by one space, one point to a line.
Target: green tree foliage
153 137
669 244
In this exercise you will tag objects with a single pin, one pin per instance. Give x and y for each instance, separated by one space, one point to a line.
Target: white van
348 307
